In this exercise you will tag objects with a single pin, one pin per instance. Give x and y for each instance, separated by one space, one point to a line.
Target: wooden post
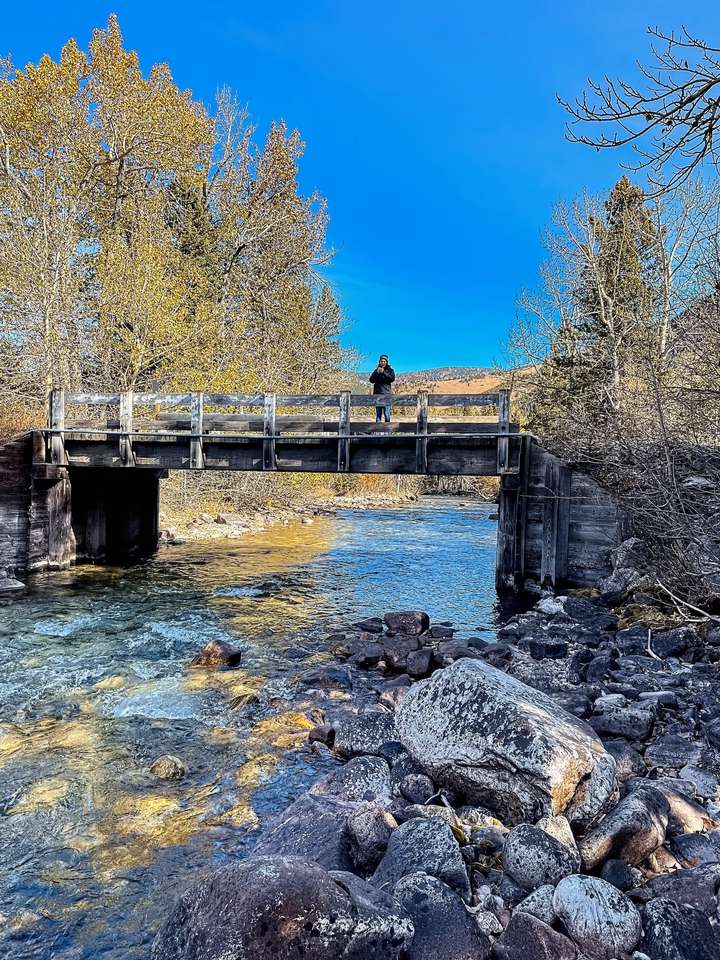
126 428
503 429
344 432
562 523
269 459
197 457
521 512
57 422
422 433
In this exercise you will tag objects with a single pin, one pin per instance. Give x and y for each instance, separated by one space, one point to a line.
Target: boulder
695 887
527 937
686 816
369 830
630 832
371 625
424 846
236 913
540 904
364 733
672 752
620 875
443 927
677 932
418 662
313 828
362 778
534 858
632 721
416 788
218 655
601 920
672 643
411 622
505 745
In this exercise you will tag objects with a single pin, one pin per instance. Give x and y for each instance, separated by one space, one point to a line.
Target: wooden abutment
87 486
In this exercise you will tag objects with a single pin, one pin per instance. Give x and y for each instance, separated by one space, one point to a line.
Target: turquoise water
95 684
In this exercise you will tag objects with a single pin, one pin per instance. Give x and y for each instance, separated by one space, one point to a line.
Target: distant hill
444 373
457 379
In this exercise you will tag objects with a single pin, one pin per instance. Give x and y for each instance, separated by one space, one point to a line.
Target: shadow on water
95 684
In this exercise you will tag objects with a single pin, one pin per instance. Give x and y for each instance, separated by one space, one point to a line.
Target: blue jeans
379 413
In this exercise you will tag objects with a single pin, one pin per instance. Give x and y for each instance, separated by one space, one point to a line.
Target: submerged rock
283 908
217 654
168 767
504 745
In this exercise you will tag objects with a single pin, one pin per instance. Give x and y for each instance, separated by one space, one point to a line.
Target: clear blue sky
432 129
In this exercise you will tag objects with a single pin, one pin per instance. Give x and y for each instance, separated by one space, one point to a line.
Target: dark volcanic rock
416 788
411 622
234 914
630 832
534 858
217 655
439 632
322 733
443 927
696 887
528 938
629 763
547 649
313 828
672 752
418 662
677 932
633 722
672 643
424 846
505 745
371 625
364 733
620 875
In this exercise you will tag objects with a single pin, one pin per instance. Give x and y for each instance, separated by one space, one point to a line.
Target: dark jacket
381 381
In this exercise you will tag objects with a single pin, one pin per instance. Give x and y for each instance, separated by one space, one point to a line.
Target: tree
671 117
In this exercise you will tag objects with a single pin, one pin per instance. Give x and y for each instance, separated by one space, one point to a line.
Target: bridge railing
193 417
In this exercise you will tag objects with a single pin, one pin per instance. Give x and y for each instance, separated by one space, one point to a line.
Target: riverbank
553 793
214 521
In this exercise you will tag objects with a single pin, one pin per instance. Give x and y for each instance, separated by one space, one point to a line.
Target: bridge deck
158 431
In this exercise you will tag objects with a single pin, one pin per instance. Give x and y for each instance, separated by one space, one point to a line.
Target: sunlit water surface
95 684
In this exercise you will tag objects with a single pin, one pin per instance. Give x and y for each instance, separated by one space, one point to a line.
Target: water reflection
95 685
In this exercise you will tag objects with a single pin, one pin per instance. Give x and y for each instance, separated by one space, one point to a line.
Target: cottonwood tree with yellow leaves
145 242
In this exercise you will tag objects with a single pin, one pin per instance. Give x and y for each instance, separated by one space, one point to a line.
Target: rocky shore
552 795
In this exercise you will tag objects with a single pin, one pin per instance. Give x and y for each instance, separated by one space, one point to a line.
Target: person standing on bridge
381 378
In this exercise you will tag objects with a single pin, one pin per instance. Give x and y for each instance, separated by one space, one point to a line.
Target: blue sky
432 129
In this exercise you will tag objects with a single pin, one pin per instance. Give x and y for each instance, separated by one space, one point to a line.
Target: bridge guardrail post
422 433
503 444
344 432
126 429
269 458
56 421
197 456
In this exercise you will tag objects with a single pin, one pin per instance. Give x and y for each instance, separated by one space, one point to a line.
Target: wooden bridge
86 487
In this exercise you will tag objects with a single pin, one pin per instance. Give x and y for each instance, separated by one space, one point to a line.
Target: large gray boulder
443 927
283 908
505 745
528 938
601 920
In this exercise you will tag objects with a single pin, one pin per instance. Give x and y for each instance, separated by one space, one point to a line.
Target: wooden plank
57 422
505 551
562 523
126 428
549 534
197 461
521 511
421 428
343 461
503 428
269 461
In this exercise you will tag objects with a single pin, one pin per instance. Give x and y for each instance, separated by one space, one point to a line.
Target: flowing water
95 684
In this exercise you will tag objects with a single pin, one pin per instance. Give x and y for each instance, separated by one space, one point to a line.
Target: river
95 684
